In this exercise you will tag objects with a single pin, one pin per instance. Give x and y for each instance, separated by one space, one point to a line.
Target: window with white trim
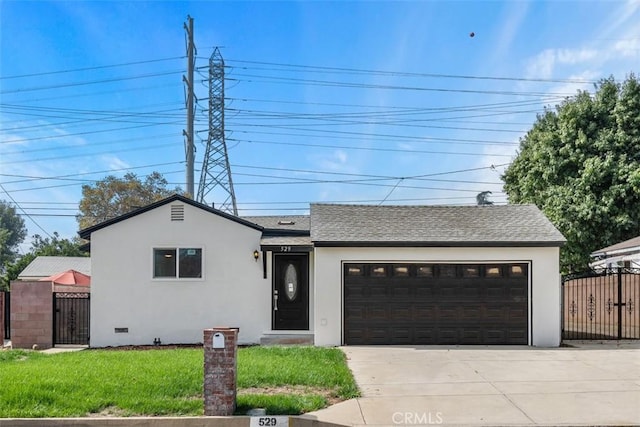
177 263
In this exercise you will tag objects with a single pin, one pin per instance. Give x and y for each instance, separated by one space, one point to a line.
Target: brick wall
31 314
220 373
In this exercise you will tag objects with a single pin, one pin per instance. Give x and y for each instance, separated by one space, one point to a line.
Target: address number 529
269 422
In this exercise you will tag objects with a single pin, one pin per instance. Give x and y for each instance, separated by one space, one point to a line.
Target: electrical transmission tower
215 177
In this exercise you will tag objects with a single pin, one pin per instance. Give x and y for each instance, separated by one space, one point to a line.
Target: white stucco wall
544 288
124 294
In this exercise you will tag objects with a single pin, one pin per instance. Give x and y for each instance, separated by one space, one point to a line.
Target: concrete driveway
592 385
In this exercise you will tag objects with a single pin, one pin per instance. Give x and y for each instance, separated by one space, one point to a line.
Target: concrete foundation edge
236 421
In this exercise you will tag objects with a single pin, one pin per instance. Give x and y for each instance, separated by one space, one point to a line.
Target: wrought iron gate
7 314
71 318
601 305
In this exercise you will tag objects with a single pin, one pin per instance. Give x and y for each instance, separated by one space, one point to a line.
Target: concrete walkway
597 385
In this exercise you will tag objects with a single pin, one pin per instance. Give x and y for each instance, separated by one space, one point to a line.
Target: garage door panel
447 335
470 313
355 313
517 314
447 313
398 290
447 289
376 291
436 304
355 291
400 312
471 336
424 290
425 313
402 335
377 312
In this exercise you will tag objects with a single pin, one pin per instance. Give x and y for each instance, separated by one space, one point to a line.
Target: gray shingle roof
358 225
45 266
627 244
283 222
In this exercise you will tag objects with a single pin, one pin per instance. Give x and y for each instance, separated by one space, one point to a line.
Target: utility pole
215 176
190 104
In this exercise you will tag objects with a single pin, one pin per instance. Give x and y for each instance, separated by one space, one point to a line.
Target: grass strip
283 380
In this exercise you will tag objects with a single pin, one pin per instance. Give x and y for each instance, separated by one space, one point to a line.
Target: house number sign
269 422
285 248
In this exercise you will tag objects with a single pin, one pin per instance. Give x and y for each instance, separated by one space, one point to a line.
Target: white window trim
177 249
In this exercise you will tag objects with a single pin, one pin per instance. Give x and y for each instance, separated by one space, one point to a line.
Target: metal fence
71 318
601 305
7 315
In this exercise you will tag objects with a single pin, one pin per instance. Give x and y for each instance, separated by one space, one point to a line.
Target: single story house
342 275
45 266
624 254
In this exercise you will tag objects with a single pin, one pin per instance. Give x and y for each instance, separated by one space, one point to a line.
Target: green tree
580 164
113 196
47 246
12 233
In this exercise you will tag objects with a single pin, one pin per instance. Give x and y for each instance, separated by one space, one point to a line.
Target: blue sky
352 101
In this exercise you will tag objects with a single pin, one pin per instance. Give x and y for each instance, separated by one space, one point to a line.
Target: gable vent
177 212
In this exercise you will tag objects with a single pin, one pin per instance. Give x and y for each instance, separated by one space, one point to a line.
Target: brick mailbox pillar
220 371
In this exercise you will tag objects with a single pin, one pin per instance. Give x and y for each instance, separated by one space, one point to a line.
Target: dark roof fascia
291 248
86 233
407 244
270 232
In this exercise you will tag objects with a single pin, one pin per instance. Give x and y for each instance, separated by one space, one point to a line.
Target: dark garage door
435 304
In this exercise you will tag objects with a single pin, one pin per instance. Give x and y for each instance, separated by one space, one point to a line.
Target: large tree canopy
113 196
12 233
580 164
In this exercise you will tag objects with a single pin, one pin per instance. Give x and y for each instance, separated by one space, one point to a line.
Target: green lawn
284 380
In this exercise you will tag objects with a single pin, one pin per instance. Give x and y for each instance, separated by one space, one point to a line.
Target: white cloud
341 156
7 139
337 161
510 25
543 65
628 47
114 162
575 56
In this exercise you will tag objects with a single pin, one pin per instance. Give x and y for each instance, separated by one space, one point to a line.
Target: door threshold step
287 339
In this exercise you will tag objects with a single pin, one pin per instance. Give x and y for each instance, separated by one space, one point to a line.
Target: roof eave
403 244
86 233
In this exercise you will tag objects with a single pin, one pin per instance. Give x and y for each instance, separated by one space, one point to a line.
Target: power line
99 67
341 70
23 211
84 119
144 148
88 132
345 147
387 138
30 178
289 170
90 82
94 144
105 92
356 85
452 108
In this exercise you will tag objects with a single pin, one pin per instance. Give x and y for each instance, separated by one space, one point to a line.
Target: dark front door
290 302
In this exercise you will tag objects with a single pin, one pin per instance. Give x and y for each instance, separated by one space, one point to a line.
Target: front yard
284 380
